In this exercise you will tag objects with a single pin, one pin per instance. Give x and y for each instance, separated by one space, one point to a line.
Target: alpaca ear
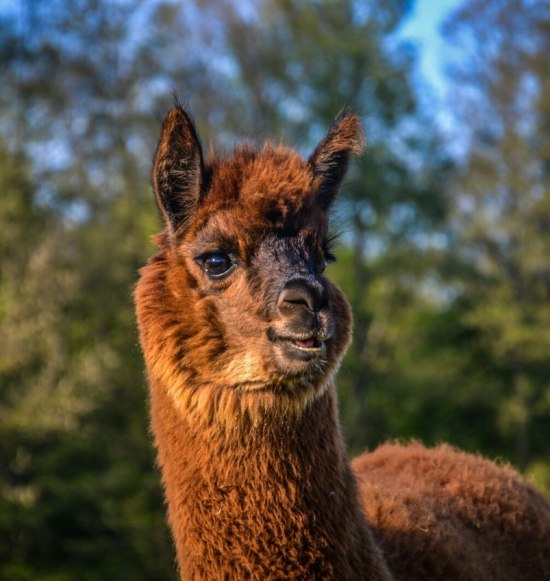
329 161
178 170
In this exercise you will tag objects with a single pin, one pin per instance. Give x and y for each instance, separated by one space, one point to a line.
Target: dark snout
305 320
301 323
300 303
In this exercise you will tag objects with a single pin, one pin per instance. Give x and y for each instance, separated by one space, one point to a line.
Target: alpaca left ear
178 170
329 161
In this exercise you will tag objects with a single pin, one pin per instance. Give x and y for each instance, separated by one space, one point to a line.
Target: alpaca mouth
310 344
300 349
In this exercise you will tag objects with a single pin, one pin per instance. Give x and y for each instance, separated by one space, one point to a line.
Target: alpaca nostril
302 293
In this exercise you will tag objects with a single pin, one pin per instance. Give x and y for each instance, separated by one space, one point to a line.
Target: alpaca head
240 320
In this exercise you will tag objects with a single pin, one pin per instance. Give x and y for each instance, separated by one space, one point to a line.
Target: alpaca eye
217 265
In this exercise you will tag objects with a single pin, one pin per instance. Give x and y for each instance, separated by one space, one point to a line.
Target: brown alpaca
242 335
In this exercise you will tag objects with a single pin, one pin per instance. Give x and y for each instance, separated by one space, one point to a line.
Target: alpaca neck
277 499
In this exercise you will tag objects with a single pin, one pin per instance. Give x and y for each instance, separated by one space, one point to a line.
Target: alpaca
242 335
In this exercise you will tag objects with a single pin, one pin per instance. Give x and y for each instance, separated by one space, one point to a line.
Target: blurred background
444 249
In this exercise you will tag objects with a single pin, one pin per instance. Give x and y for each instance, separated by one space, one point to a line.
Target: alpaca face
249 312
260 294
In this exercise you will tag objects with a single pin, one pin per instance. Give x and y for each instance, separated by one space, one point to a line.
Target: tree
78 494
502 214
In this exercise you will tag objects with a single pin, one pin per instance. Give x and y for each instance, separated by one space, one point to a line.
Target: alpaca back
467 517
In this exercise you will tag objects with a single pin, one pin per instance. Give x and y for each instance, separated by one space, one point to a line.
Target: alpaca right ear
178 170
329 161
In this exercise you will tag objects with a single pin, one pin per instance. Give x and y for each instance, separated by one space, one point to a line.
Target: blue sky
423 28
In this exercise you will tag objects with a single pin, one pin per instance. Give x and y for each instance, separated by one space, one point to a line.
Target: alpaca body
444 514
242 334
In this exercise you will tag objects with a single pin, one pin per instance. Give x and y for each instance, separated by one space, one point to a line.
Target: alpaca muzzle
305 318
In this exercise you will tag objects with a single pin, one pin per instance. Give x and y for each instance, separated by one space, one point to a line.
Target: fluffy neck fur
275 501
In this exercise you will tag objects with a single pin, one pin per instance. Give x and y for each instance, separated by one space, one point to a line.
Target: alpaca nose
302 294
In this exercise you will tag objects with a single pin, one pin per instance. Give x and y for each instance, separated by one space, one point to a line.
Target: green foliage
502 207
78 496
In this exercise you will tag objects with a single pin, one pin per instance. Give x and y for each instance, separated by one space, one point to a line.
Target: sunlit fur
254 467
